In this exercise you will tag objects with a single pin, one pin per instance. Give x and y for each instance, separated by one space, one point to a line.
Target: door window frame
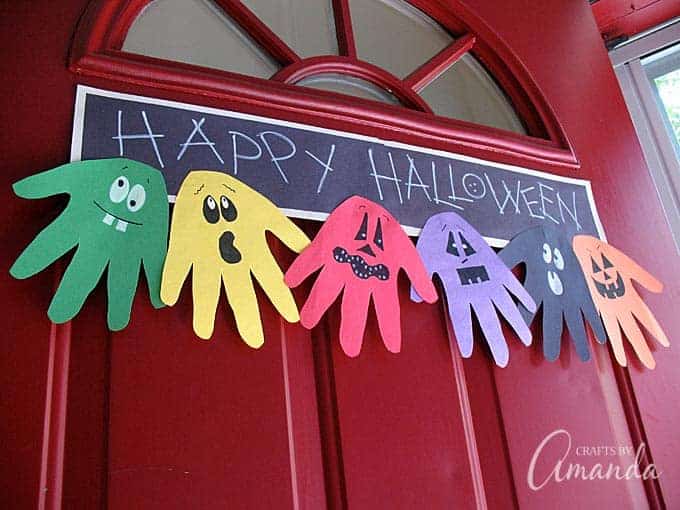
648 120
96 55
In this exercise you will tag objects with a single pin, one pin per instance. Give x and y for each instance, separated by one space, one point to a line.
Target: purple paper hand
474 278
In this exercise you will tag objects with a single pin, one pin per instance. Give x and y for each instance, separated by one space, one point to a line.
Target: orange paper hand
609 274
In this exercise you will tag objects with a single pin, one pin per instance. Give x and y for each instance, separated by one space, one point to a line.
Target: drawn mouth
613 290
555 283
360 268
121 224
228 251
472 275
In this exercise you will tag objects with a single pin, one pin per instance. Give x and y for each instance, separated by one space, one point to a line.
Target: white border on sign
79 120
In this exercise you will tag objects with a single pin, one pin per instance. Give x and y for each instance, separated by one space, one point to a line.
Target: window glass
465 91
394 35
196 32
390 34
663 70
348 85
307 26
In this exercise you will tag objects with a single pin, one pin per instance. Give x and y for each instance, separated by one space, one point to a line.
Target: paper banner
218 232
609 274
360 248
475 279
554 279
117 216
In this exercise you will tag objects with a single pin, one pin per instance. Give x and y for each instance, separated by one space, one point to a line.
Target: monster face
459 247
130 196
370 245
475 281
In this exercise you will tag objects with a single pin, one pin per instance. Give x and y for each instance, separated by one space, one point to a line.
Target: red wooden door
158 419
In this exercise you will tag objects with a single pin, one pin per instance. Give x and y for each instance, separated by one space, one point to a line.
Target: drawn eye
557 259
596 268
547 254
607 264
451 245
467 249
361 234
227 208
119 189
136 198
210 212
377 238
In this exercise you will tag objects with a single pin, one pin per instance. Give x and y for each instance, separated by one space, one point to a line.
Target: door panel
158 418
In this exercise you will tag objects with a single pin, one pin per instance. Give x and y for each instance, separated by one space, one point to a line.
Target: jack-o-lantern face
608 281
369 241
609 273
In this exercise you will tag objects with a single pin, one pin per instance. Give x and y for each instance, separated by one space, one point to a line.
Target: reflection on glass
668 86
307 26
466 91
663 71
196 32
394 35
348 85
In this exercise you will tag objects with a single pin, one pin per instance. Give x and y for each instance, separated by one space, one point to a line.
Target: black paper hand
555 280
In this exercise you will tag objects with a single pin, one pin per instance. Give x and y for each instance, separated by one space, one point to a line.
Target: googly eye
210 212
136 198
557 259
119 189
547 254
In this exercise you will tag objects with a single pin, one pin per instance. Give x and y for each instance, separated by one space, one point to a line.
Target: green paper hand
117 216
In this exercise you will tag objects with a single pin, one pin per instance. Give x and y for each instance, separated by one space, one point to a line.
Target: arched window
391 35
418 70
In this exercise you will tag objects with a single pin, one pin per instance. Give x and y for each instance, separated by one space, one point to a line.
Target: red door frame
95 59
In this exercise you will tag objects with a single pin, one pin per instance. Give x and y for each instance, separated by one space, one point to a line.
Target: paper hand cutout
474 278
609 273
361 248
554 278
218 229
117 216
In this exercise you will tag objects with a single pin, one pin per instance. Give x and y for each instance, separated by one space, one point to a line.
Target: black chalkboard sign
307 170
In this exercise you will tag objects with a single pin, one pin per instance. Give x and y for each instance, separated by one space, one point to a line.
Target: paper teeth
108 219
121 225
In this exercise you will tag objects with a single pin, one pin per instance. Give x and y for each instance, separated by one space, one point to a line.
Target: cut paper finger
610 274
555 281
218 232
474 279
117 217
361 248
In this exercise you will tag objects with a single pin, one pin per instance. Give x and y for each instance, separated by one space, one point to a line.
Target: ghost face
208 207
608 281
219 213
365 252
555 265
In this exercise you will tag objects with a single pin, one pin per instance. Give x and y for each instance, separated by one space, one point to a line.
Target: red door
155 418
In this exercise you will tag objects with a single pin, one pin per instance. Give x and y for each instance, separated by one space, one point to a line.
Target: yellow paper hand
218 229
